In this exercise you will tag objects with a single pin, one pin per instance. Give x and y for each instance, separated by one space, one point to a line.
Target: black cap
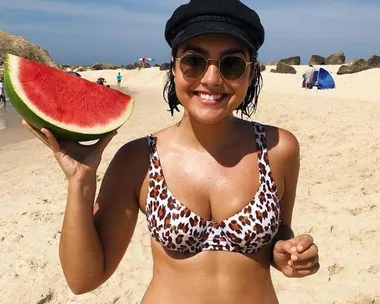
229 17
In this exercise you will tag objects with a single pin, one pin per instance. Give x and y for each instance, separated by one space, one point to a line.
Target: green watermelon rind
39 123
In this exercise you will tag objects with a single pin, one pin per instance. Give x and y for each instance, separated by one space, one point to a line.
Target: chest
212 187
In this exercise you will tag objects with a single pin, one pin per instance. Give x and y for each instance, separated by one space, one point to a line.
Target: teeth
210 97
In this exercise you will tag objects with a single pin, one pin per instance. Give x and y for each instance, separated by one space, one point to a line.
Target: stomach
210 277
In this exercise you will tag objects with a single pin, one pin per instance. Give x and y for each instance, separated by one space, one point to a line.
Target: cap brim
211 27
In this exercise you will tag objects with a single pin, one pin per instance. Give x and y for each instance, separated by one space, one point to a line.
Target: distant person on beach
309 75
2 93
119 78
217 191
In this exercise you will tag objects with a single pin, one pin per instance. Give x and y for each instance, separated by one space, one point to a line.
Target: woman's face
210 98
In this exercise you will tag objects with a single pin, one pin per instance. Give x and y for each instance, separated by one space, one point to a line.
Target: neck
208 137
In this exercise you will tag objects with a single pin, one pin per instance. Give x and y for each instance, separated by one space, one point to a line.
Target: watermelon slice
71 107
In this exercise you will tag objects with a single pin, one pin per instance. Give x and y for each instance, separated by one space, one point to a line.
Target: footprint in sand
46 298
334 270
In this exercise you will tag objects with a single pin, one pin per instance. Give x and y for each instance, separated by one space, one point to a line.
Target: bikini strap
262 150
154 161
152 149
151 144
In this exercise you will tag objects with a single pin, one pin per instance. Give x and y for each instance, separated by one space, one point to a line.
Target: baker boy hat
230 17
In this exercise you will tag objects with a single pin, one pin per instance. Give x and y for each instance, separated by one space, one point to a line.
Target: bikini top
177 228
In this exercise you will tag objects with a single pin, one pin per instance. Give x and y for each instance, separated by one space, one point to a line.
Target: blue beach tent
322 79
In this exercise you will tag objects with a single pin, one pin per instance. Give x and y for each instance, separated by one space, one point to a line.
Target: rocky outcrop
354 67
317 60
79 69
132 66
337 58
374 62
19 46
165 67
104 66
283 68
296 60
263 67
271 63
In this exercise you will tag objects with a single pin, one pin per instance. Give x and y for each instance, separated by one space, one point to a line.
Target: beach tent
322 79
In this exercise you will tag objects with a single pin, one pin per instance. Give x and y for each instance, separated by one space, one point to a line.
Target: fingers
304 264
53 142
284 247
103 142
299 273
44 135
303 242
36 133
48 138
305 255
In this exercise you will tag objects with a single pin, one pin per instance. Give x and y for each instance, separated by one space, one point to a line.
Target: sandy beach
337 198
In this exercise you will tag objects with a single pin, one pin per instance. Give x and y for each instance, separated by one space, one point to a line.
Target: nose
212 76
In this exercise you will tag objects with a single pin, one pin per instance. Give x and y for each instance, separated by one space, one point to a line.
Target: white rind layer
14 64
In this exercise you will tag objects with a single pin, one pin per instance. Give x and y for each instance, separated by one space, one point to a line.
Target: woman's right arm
95 238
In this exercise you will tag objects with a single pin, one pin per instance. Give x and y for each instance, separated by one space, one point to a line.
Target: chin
209 117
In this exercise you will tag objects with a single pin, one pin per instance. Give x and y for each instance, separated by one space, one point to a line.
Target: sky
121 31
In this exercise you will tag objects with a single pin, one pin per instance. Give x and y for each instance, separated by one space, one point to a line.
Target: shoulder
282 144
131 161
133 152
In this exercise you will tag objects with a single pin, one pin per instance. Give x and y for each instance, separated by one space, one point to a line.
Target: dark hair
248 105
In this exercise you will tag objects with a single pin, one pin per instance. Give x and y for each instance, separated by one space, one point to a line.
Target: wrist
87 181
83 190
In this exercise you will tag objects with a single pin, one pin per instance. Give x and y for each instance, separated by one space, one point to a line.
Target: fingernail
300 247
294 257
290 263
293 249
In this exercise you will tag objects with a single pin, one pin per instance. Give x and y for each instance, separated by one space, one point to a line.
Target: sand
337 199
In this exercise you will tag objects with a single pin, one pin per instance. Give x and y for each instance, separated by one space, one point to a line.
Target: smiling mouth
210 97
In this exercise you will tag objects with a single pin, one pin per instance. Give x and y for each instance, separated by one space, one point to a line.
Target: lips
210 98
213 97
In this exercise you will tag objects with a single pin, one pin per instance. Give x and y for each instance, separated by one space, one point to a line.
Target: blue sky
121 31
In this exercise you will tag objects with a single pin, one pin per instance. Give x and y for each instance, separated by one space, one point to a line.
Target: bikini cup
177 228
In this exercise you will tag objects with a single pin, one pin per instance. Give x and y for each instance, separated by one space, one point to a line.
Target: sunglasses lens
232 67
193 65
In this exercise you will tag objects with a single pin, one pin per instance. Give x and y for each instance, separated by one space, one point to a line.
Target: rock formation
353 67
19 46
104 66
358 65
296 60
317 60
164 66
271 63
284 68
374 61
336 58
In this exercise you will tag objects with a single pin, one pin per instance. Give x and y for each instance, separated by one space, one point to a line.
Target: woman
218 213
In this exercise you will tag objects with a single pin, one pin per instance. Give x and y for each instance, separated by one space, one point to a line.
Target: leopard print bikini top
177 228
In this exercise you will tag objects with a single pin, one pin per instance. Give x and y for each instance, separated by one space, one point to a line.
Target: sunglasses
231 67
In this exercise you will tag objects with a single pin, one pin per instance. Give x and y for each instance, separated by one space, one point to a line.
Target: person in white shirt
309 76
2 92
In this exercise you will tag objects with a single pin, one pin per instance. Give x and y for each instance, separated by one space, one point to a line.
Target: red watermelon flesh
72 107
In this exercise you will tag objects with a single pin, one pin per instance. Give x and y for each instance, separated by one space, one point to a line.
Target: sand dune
337 200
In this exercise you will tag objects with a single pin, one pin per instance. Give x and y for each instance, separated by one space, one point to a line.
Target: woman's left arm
293 256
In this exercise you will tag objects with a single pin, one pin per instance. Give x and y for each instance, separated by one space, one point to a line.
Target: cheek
240 87
182 85
182 88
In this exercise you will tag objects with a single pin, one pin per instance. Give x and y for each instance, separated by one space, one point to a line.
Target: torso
217 187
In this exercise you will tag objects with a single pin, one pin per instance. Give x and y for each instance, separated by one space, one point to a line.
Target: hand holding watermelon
78 162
